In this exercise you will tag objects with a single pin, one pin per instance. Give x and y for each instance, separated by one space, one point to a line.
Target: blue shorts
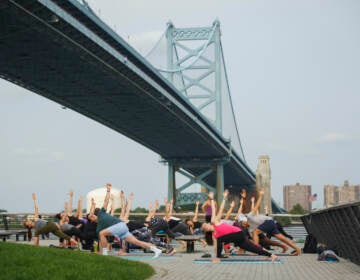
120 230
269 227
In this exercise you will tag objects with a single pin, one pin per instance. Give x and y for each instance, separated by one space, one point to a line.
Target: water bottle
96 247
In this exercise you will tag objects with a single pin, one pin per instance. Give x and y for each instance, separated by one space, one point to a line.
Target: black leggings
161 225
240 240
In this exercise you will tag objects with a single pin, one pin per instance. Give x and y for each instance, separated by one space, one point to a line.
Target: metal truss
196 67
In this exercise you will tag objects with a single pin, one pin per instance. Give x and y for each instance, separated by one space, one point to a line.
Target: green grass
19 262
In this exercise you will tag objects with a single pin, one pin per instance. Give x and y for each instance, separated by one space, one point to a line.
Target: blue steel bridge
62 51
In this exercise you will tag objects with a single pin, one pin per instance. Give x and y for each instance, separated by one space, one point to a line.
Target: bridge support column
204 168
219 182
171 183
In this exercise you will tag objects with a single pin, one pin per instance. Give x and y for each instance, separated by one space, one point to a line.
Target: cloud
336 138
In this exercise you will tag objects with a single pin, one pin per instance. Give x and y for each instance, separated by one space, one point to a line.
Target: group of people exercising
251 232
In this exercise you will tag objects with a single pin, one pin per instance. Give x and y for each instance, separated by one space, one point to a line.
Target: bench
190 241
5 234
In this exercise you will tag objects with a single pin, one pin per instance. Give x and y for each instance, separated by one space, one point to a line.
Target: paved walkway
181 266
304 267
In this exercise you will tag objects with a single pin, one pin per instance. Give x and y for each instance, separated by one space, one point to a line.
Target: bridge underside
63 52
86 68
107 81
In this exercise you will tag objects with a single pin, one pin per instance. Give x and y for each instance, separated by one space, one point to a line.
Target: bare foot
171 252
215 260
122 253
284 249
274 257
296 252
183 243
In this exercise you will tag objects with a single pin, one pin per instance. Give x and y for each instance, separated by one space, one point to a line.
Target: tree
139 210
3 210
285 221
297 209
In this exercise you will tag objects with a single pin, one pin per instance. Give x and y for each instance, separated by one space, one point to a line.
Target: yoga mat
250 255
147 258
239 260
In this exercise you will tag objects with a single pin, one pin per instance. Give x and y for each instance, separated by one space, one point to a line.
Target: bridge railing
338 228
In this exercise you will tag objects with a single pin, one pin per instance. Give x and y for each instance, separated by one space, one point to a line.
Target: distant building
263 178
297 194
335 195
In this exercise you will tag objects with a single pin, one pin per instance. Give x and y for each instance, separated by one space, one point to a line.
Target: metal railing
338 228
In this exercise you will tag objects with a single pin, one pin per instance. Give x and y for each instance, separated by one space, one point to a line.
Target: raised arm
240 207
71 196
195 218
36 207
169 209
152 211
128 207
252 200
228 213
123 204
212 204
112 207
257 204
221 208
92 208
78 212
107 196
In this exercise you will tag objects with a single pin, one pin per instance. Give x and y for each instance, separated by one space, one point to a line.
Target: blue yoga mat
236 260
147 258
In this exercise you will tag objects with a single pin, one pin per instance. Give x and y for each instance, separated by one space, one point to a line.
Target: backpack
310 244
328 256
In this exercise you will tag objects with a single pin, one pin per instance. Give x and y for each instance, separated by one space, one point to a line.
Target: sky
293 69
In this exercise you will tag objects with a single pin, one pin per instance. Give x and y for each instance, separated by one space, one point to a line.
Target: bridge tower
194 67
263 177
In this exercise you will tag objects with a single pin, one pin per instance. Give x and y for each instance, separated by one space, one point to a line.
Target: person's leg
45 229
102 238
275 243
227 238
248 245
282 231
255 235
132 239
182 228
270 227
288 242
36 240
